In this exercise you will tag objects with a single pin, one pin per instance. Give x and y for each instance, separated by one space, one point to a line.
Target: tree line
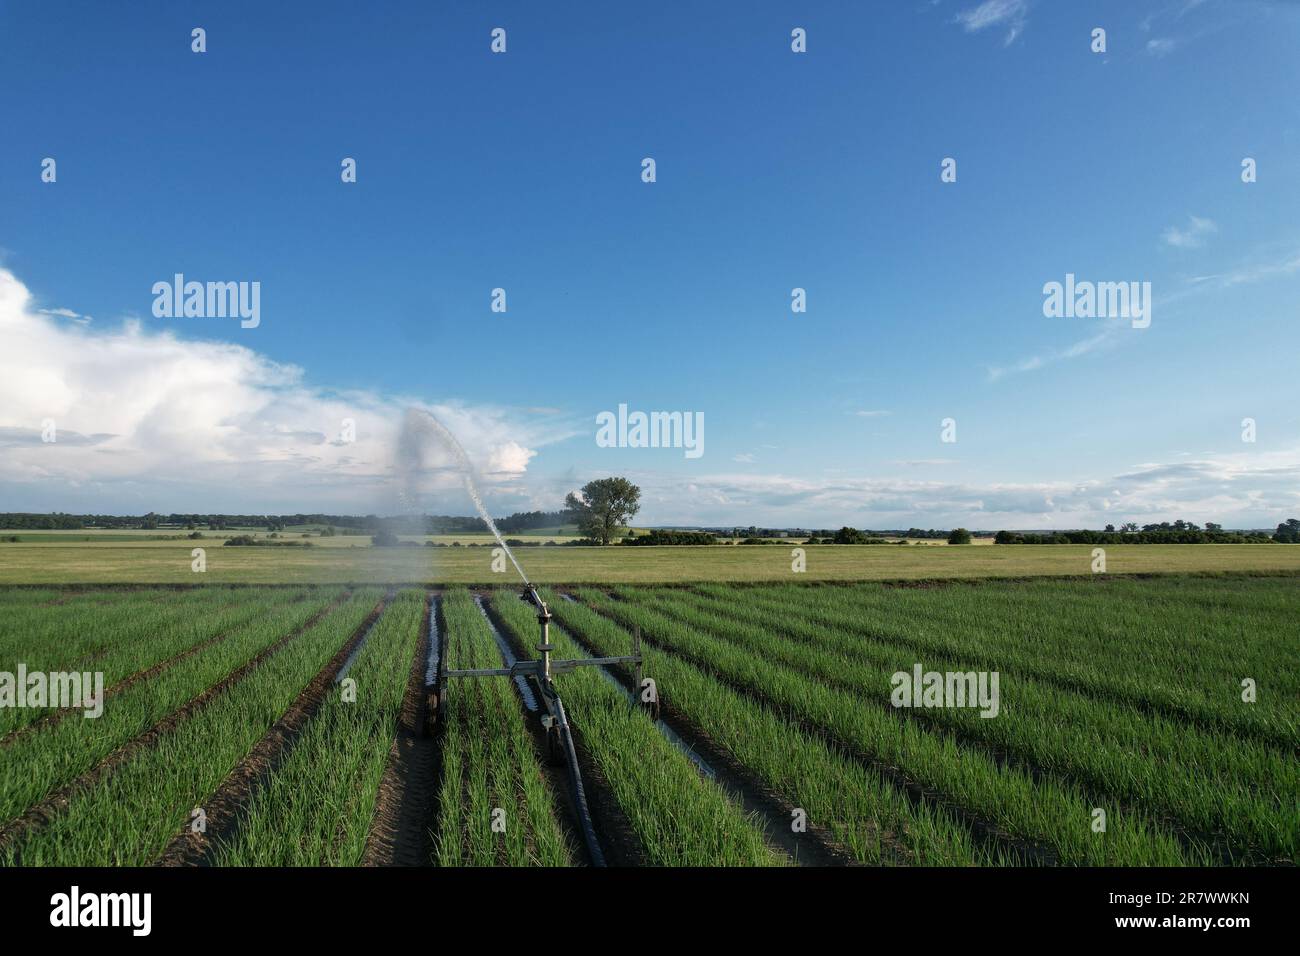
602 509
360 524
1185 536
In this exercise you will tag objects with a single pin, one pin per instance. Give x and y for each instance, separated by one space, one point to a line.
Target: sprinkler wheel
554 748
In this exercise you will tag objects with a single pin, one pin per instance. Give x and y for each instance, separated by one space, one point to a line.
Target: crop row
678 817
128 817
72 635
1154 647
317 807
147 638
872 820
495 808
1209 782
1044 813
52 755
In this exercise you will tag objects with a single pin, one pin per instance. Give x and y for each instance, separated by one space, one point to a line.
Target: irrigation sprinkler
541 673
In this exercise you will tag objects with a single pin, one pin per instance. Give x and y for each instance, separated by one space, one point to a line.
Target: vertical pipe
546 644
636 668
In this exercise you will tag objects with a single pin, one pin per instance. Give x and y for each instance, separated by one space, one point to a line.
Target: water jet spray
540 671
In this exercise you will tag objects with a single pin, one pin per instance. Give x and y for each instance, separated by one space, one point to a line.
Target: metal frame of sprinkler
559 736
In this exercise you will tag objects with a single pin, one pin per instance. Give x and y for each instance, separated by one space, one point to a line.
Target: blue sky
775 170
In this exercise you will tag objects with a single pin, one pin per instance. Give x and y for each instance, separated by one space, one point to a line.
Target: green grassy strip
317 807
66 637
17 597
129 817
52 756
1242 790
154 635
20 607
861 812
488 761
680 818
1040 811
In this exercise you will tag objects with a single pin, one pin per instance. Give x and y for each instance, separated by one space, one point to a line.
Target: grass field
290 718
169 562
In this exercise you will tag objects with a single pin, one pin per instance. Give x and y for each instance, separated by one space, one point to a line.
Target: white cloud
871 414
1271 264
150 421
1191 237
147 420
745 458
1255 272
68 314
510 458
1108 337
996 13
1256 489
1161 46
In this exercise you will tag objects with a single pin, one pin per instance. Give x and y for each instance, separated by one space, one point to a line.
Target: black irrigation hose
575 784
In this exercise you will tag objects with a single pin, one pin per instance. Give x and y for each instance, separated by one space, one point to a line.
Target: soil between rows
226 807
401 832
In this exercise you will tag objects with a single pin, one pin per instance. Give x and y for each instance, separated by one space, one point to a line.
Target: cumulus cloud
146 419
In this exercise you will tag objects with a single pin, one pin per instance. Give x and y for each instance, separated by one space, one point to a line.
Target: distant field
172 536
353 560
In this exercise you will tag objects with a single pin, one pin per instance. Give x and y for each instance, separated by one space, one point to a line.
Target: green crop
1051 816
1240 793
317 807
128 817
874 822
495 807
680 818
50 756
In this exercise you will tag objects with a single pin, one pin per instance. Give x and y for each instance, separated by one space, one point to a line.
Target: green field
1117 696
342 560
